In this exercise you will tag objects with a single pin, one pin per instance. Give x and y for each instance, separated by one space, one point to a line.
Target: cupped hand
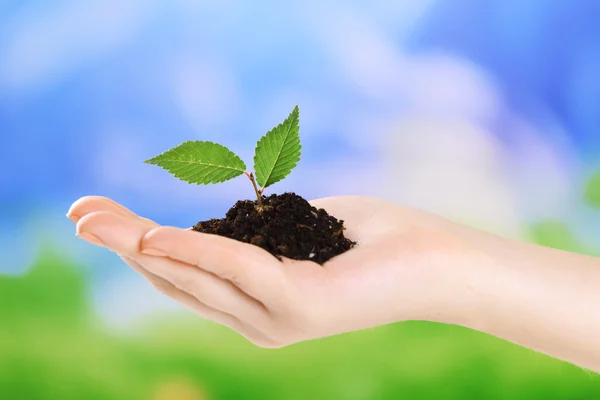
406 265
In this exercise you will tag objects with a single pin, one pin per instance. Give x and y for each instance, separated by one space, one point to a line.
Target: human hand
405 266
408 264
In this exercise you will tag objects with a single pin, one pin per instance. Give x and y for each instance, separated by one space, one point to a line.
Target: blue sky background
486 112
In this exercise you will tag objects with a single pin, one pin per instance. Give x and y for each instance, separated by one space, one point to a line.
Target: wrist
468 281
449 278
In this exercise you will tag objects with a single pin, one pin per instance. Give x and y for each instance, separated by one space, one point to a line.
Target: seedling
200 162
285 225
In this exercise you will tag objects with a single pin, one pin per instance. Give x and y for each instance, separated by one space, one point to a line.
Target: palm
366 218
353 281
270 302
371 222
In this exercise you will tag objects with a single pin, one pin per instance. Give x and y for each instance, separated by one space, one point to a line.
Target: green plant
202 163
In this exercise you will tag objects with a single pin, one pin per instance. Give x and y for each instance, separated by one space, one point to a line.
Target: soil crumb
287 226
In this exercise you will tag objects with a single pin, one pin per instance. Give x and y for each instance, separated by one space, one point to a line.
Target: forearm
544 299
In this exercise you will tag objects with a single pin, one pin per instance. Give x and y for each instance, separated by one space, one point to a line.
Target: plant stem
258 192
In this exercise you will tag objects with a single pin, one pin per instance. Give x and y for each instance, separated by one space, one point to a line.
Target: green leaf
200 162
592 190
278 152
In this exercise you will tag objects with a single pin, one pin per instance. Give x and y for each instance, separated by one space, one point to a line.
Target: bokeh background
484 111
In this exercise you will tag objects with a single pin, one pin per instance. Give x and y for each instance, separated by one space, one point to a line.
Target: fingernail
73 218
153 252
93 239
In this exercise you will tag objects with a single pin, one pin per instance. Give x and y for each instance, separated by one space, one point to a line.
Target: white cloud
443 84
544 168
454 168
361 51
45 43
313 110
428 115
119 165
387 82
398 17
206 92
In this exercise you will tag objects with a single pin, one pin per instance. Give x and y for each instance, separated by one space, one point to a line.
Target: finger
183 298
197 307
89 204
207 288
248 267
123 234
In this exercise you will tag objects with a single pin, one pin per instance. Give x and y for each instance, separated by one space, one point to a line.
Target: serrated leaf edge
296 110
153 160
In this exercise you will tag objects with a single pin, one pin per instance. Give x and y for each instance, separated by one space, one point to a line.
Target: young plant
202 163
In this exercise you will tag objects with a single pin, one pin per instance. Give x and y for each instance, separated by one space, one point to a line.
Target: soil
287 226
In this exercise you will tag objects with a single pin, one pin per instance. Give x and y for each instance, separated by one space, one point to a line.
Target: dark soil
288 226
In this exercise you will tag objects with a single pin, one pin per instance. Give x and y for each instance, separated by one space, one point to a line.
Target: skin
408 265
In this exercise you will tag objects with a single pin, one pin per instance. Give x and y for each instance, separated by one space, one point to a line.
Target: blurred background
484 111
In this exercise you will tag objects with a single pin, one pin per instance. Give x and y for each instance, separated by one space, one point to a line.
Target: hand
408 264
401 269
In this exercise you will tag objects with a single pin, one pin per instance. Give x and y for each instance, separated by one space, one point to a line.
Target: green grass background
52 346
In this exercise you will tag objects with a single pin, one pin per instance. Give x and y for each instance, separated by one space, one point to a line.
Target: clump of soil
287 226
